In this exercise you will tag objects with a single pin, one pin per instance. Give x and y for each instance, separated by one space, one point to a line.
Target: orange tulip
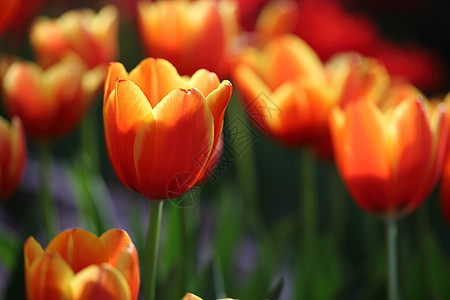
161 129
91 36
285 90
50 102
12 155
78 265
191 35
391 158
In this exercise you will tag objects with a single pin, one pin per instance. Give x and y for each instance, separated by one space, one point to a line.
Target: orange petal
412 142
31 250
128 265
290 57
115 240
217 102
253 90
115 71
49 278
156 78
110 128
204 81
131 108
48 50
364 160
173 145
79 248
99 282
207 38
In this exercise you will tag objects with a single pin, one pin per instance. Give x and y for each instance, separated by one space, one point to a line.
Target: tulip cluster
308 75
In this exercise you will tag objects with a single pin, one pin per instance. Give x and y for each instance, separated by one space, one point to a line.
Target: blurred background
245 222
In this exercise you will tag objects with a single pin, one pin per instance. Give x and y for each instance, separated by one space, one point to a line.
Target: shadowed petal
128 265
99 282
49 278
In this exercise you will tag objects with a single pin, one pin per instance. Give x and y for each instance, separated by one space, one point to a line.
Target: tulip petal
49 278
289 57
79 248
31 250
115 240
412 141
217 102
99 282
363 155
128 265
115 71
204 81
173 145
156 78
131 109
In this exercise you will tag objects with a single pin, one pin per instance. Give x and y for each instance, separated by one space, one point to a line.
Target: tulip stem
392 273
151 249
48 209
338 205
308 218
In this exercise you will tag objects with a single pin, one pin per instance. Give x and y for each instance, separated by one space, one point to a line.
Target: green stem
187 253
308 219
338 205
89 142
308 199
151 249
391 244
48 209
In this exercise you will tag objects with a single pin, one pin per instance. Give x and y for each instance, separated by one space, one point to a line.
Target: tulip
151 114
390 159
191 35
13 154
50 102
162 131
285 90
91 36
76 264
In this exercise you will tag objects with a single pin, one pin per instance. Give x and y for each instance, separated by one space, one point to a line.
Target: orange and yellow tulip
191 35
93 37
285 90
13 153
390 158
161 129
76 264
50 102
